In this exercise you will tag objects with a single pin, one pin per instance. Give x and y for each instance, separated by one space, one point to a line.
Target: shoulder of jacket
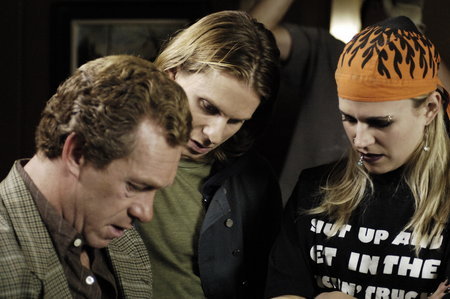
131 265
16 268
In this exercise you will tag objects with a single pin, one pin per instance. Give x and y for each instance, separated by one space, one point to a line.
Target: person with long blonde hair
375 225
214 227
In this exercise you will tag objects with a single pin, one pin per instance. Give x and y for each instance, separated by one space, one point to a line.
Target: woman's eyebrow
388 118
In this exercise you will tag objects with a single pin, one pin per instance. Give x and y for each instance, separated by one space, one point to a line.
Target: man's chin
192 155
98 242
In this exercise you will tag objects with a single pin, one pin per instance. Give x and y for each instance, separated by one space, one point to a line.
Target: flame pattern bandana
388 61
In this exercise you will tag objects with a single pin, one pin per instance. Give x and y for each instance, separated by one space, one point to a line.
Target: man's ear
433 105
71 154
172 73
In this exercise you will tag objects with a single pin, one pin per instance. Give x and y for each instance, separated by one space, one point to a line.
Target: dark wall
10 117
30 52
436 16
34 55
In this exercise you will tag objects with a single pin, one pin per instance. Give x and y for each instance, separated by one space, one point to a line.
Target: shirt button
77 242
229 223
236 252
90 280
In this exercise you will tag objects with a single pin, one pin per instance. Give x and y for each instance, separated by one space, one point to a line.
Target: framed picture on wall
93 38
81 30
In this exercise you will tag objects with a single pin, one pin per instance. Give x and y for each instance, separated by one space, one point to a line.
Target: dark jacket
240 225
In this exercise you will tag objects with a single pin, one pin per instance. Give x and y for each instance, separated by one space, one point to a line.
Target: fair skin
386 133
102 203
270 13
219 104
387 143
441 290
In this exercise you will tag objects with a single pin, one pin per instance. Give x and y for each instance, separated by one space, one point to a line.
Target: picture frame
93 38
75 22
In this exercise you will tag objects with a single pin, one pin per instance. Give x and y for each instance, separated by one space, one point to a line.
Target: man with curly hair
107 140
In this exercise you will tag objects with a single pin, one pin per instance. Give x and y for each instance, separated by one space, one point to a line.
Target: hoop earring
426 147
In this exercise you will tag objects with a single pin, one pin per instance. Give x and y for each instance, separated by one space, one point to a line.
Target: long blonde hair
426 173
236 44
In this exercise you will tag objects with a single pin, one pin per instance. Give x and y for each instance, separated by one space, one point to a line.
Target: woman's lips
371 158
197 147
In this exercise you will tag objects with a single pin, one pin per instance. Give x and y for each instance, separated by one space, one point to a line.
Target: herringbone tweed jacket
29 266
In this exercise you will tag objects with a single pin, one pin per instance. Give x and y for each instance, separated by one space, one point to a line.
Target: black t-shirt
370 257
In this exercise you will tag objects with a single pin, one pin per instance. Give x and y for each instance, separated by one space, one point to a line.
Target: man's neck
47 176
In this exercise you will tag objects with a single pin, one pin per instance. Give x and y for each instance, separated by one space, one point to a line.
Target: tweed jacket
29 265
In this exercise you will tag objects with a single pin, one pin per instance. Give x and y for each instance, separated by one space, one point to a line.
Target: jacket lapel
33 236
131 265
218 208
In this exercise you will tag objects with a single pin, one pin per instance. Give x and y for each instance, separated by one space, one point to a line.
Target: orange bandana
388 61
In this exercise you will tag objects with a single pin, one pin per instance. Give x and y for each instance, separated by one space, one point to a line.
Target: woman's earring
426 147
360 162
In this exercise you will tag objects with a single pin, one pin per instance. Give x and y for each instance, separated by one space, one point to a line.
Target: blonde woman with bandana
375 224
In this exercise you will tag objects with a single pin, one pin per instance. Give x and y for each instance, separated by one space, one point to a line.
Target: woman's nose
363 137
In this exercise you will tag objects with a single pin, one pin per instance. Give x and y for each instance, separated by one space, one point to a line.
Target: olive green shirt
172 235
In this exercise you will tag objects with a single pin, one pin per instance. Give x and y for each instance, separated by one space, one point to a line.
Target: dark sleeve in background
306 129
289 270
263 225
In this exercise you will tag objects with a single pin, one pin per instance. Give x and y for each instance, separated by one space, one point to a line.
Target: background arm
270 13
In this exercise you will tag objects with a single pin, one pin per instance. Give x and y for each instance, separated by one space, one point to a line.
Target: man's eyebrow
143 186
212 103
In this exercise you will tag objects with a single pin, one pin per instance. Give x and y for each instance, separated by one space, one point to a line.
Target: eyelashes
380 123
132 187
348 118
208 108
375 122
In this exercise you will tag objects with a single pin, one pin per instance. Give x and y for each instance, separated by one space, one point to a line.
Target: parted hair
426 173
103 103
236 44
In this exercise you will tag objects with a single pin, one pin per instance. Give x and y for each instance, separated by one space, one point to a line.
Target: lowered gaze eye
348 118
381 122
207 107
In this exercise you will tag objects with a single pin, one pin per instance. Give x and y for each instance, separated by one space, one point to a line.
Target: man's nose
142 208
215 129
